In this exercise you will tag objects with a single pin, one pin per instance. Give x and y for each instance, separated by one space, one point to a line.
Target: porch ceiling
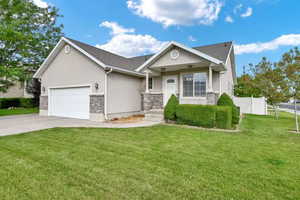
170 68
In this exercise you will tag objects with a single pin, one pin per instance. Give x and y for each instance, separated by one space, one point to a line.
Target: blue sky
136 27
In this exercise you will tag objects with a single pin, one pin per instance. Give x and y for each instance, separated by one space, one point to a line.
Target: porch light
96 86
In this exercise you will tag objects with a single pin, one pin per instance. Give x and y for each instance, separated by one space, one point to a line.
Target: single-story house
18 90
82 81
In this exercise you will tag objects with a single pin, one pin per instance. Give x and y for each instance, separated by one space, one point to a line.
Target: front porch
194 77
198 85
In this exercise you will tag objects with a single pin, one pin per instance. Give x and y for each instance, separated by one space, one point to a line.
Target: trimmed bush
205 116
224 117
9 102
27 102
226 100
196 115
170 108
235 114
17 102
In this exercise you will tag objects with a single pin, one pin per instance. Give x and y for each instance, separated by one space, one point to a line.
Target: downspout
105 92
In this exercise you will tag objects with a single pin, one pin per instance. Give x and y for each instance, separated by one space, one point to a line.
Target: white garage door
70 102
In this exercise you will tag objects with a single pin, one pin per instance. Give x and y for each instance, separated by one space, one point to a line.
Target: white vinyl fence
250 105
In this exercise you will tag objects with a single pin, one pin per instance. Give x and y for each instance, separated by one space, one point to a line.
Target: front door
170 87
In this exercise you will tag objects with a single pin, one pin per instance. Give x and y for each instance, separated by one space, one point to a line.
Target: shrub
27 102
224 117
170 108
9 102
196 115
17 102
226 100
235 114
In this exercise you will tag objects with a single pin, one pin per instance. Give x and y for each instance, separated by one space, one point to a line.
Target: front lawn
161 162
18 111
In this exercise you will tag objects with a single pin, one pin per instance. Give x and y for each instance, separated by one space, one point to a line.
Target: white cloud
40 3
116 28
192 39
177 12
126 43
248 12
284 40
229 19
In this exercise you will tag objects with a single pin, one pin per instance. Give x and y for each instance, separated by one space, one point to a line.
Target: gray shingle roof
219 51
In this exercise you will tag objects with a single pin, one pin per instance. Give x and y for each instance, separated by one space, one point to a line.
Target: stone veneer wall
212 98
97 104
43 102
152 101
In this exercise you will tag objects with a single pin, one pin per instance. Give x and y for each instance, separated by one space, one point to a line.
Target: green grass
161 162
18 111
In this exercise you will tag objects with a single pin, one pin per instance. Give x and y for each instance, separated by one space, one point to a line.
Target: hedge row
205 115
18 102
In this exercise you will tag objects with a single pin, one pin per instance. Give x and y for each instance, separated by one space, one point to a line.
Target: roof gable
178 45
184 57
91 53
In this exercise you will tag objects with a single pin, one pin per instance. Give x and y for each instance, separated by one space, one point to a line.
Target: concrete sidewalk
17 124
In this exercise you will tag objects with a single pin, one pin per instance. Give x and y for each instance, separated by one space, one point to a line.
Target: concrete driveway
17 124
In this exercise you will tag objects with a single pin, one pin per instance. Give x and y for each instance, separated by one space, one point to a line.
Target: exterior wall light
96 86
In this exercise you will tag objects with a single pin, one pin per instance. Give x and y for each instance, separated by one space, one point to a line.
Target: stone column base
152 101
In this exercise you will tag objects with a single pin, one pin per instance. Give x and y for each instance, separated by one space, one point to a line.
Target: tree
270 78
246 87
27 35
290 65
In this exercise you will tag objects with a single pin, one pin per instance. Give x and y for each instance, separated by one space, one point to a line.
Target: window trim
181 85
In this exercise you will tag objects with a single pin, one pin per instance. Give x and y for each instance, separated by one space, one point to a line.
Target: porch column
147 82
210 88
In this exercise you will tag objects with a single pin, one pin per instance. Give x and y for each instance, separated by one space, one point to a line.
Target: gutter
107 72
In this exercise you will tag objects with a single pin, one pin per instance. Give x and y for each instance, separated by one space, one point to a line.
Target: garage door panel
70 102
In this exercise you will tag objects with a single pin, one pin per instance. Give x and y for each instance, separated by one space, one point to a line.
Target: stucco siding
15 91
124 93
216 81
73 69
184 58
227 82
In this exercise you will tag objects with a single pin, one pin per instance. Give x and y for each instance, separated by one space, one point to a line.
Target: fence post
266 105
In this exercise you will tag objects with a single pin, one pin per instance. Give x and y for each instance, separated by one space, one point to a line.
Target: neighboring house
82 81
16 91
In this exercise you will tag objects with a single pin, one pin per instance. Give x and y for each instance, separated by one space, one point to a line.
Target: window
150 83
194 85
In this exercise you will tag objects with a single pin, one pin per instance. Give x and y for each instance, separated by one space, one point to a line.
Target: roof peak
96 47
139 56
